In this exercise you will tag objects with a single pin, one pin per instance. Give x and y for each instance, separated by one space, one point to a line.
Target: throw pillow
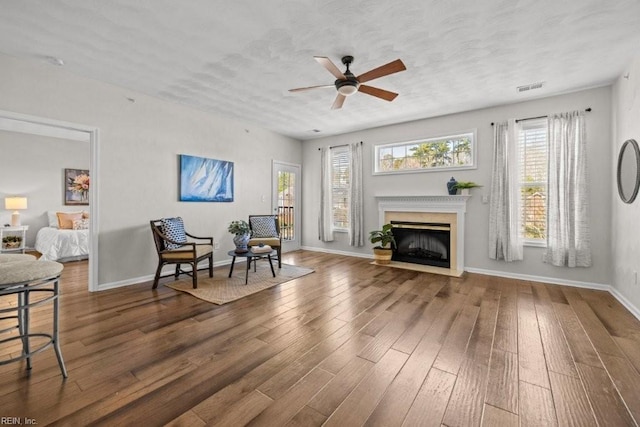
80 224
173 228
263 226
65 219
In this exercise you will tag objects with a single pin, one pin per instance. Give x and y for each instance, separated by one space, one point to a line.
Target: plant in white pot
464 186
382 252
242 235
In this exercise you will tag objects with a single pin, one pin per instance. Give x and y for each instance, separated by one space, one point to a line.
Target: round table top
249 253
16 257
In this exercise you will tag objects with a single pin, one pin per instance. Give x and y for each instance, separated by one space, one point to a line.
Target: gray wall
624 230
139 145
477 219
34 166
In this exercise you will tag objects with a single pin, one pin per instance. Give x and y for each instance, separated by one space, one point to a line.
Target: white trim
42 126
555 281
167 270
329 251
624 301
429 204
541 279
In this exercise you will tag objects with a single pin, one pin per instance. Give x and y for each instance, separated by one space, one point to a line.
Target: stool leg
56 341
23 323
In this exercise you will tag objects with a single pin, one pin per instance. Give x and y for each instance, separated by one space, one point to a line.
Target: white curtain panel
505 230
356 211
325 233
568 236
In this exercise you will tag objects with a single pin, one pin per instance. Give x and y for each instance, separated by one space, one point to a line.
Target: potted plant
464 186
382 252
242 235
11 242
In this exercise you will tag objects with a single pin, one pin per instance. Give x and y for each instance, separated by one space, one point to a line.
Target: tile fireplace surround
441 209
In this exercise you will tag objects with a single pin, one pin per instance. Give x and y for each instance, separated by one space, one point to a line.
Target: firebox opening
422 243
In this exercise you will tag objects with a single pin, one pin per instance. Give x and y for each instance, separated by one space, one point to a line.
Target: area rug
221 289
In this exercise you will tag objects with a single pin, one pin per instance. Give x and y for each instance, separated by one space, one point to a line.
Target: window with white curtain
340 179
533 180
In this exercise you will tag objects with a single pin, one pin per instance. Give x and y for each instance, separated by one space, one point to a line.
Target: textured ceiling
238 58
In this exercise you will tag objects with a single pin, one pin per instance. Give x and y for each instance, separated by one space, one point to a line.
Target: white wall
477 219
33 166
625 231
138 156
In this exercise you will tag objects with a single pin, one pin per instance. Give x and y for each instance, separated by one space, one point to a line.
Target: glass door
286 202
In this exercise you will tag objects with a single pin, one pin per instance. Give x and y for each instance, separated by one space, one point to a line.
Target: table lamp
15 204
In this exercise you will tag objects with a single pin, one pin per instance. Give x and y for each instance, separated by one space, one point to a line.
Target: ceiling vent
530 86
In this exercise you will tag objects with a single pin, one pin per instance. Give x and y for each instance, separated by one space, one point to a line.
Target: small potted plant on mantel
382 252
464 187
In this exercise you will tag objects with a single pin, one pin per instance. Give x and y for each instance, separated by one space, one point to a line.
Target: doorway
22 123
286 202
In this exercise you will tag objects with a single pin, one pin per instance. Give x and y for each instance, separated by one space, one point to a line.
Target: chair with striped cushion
175 246
265 229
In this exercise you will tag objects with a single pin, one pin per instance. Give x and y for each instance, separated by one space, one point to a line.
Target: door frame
276 166
34 125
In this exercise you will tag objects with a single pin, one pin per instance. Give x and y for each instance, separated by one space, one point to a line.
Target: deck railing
286 219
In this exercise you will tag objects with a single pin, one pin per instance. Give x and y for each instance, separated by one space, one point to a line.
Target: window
533 180
446 152
340 179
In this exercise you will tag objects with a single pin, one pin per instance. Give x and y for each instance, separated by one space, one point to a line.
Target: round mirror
629 171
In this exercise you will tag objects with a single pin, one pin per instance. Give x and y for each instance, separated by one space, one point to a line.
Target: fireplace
440 217
422 243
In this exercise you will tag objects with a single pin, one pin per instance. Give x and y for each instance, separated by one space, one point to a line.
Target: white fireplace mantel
429 204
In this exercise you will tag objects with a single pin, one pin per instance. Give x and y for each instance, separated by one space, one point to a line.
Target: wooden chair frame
187 253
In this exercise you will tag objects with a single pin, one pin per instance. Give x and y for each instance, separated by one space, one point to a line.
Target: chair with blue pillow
265 229
175 246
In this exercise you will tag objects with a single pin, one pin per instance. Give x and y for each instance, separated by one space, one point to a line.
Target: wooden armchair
173 248
265 229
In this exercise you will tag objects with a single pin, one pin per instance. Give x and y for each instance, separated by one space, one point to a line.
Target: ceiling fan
348 84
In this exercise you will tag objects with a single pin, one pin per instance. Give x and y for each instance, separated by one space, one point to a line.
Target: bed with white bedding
60 244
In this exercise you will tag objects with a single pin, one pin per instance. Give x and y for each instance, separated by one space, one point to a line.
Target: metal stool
26 278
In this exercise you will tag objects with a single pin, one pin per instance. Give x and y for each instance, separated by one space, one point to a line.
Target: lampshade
15 203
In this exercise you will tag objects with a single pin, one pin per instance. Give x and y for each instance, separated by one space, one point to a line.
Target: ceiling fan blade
338 102
377 92
302 89
330 66
384 70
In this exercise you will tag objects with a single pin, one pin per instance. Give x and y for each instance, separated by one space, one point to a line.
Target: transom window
533 180
446 152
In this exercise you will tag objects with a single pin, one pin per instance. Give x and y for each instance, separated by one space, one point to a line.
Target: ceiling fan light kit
347 84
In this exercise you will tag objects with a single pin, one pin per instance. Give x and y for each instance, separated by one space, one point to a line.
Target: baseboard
168 270
541 279
329 251
624 301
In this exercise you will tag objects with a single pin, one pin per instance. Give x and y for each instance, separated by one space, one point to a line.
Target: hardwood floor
351 344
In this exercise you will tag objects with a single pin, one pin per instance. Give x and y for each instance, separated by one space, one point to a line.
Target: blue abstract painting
205 180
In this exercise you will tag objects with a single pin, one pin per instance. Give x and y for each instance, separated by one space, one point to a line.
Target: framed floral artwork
76 187
205 180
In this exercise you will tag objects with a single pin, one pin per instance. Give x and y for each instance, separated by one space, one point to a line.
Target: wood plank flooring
351 344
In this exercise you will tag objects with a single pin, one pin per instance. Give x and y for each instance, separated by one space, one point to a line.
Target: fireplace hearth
422 243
